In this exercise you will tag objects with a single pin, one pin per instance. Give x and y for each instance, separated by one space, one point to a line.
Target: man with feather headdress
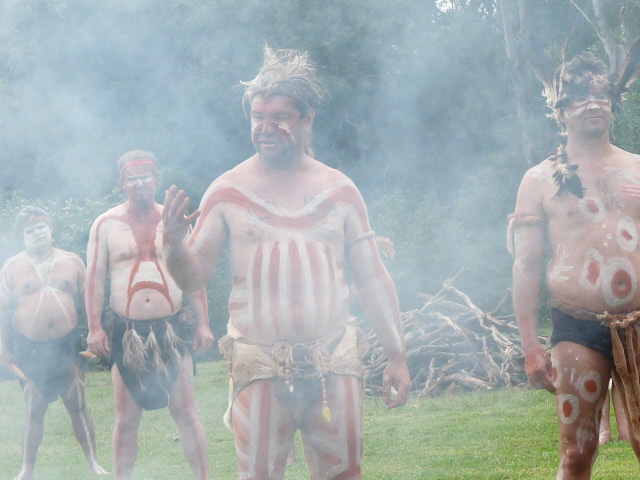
291 226
146 333
584 202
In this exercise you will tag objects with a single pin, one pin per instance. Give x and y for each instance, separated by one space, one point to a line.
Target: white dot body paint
568 408
619 282
627 234
591 208
560 266
589 385
591 274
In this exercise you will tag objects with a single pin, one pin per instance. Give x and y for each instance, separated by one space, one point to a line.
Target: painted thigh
334 450
263 430
581 376
74 396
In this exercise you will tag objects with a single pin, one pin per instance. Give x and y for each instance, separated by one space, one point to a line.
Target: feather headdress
286 72
574 78
628 73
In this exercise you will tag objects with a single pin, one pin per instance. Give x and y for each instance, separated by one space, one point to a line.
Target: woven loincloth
149 354
49 364
339 353
624 329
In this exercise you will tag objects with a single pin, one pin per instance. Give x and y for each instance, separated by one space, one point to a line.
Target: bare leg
620 393
263 430
182 405
582 378
624 429
605 421
36 407
291 458
76 405
125 434
334 450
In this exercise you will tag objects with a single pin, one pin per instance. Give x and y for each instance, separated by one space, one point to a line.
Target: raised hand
174 216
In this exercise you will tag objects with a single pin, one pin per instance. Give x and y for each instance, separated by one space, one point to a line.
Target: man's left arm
378 299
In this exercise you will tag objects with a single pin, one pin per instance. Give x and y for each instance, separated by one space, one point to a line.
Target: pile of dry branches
454 345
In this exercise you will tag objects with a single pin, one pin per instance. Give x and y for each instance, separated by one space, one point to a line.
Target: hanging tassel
283 354
326 411
171 344
135 355
153 347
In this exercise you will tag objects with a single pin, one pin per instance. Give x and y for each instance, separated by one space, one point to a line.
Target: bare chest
32 277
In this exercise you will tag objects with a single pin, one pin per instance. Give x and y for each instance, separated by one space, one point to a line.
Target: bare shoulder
237 175
113 213
11 262
541 173
70 256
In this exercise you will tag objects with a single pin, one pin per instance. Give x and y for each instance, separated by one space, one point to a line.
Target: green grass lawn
486 435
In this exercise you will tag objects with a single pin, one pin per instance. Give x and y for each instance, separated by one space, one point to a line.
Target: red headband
138 162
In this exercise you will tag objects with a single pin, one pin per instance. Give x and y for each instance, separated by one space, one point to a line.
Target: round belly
47 319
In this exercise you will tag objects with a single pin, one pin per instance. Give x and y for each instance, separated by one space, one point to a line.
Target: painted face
591 111
277 130
37 235
140 183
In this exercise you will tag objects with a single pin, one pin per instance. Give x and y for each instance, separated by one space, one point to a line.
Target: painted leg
124 442
182 405
83 429
263 430
334 449
36 407
582 377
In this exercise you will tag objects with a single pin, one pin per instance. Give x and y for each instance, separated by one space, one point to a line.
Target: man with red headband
584 203
291 226
147 333
39 288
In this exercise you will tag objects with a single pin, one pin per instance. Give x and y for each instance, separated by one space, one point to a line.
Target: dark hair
289 73
574 78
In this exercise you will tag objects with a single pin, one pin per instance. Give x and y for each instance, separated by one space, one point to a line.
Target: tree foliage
422 113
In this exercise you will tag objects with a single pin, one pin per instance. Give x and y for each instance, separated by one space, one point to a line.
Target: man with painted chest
39 289
584 202
148 335
291 226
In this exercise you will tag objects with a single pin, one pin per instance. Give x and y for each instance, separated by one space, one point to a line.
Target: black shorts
589 333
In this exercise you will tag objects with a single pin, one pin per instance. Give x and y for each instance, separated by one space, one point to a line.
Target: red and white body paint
136 268
293 287
289 285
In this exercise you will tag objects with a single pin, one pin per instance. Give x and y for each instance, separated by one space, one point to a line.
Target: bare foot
24 475
97 469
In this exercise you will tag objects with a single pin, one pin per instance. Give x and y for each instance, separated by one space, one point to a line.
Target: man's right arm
97 266
6 311
529 240
192 263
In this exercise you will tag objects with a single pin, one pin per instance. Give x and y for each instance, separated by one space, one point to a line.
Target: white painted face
36 236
